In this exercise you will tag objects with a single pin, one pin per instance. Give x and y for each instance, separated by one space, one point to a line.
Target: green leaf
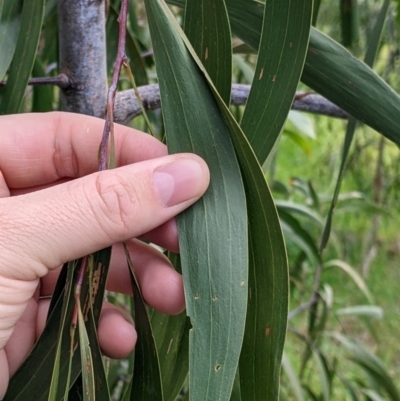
43 95
10 22
65 277
25 54
267 309
215 268
86 358
349 22
317 4
207 28
146 382
171 334
281 55
298 235
301 210
352 85
268 281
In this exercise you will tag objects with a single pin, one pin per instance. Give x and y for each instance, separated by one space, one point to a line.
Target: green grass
352 224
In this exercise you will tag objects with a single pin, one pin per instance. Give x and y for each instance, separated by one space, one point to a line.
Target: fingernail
178 181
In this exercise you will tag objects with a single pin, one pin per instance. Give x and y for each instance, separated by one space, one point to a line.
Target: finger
79 217
41 148
116 333
23 337
161 285
165 236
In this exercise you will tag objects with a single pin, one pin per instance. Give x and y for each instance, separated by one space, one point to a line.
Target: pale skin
56 207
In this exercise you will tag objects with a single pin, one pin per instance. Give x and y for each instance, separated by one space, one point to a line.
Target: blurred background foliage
345 307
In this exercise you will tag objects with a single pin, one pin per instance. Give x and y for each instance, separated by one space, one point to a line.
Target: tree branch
83 56
127 106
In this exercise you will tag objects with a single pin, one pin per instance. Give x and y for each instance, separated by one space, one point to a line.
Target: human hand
48 217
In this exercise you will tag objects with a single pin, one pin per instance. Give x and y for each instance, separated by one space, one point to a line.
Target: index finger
38 149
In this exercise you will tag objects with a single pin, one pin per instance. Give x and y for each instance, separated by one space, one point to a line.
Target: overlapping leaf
207 28
171 334
146 383
213 233
268 282
281 54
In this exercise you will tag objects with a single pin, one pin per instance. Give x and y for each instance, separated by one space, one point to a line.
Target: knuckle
116 203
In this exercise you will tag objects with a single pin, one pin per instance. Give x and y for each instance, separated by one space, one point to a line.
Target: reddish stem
121 59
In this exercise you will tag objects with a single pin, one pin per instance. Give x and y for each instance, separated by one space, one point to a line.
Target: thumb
44 229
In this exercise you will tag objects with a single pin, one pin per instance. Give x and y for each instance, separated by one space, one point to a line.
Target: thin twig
61 80
121 59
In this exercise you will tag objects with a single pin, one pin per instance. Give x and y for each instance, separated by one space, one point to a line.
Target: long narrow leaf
86 359
146 382
268 272
207 28
213 233
281 55
171 334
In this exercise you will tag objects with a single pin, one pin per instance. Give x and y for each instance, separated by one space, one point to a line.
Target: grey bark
83 56
127 107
